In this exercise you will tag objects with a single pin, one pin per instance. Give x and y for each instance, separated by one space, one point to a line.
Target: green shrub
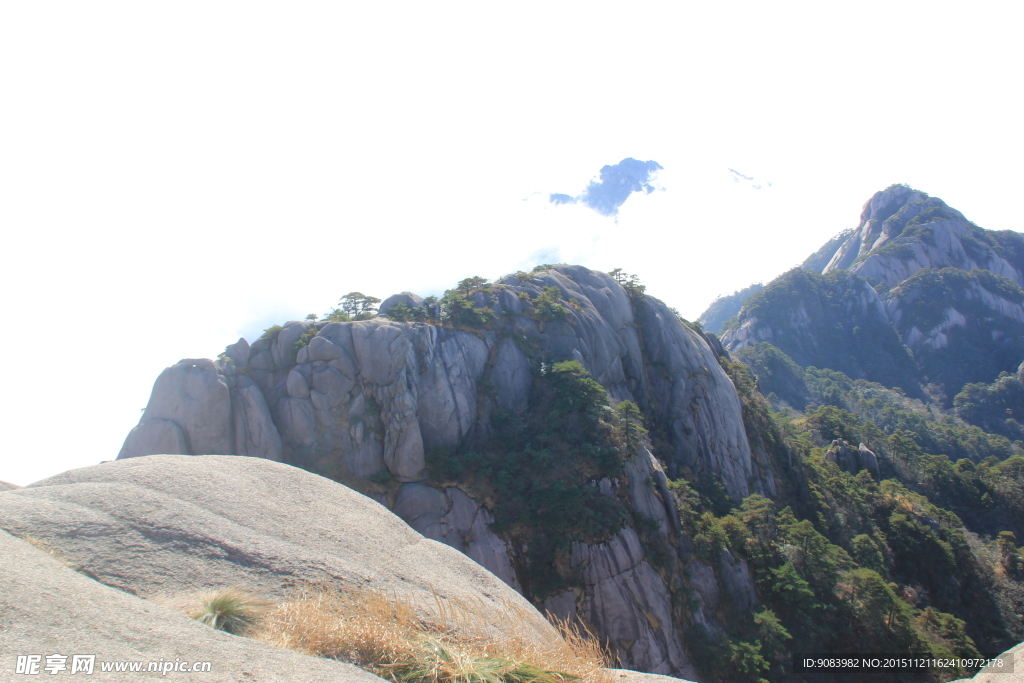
271 332
439 662
401 313
456 309
548 305
303 341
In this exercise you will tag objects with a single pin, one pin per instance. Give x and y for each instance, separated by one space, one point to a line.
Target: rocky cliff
903 230
915 266
383 405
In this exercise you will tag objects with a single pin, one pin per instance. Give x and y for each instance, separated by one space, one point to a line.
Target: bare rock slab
49 609
172 524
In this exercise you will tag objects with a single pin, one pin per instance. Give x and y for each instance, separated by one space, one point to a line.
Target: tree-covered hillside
723 309
833 320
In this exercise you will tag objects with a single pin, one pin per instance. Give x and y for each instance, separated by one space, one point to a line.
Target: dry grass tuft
232 610
450 643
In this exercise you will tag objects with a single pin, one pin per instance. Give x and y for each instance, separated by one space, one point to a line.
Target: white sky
176 175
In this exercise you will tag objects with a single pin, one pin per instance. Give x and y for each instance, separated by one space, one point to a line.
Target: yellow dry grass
448 642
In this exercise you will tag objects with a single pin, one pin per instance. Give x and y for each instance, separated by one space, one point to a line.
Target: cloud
617 182
754 183
551 254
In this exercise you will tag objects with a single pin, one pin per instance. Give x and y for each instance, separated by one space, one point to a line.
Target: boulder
170 524
194 397
238 352
256 434
867 459
155 436
408 298
50 609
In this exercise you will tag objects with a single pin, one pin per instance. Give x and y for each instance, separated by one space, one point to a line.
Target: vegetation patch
538 472
929 292
448 642
820 320
231 610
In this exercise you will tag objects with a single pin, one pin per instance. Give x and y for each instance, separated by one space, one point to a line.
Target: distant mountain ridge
723 309
915 270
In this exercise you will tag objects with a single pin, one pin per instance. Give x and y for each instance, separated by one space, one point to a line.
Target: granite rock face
376 395
629 603
368 400
932 235
196 409
872 232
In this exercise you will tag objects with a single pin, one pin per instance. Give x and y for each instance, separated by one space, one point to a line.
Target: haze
177 176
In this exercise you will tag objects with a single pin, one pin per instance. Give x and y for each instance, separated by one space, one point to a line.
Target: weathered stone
408 298
256 434
155 436
422 507
511 376
467 527
238 352
703 581
321 348
298 421
381 351
452 365
639 471
452 517
333 383
630 605
296 385
195 397
738 582
283 350
561 606
867 459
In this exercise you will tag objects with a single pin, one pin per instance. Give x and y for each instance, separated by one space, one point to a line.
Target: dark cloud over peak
617 182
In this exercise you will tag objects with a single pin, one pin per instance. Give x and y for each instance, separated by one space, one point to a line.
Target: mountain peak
887 202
